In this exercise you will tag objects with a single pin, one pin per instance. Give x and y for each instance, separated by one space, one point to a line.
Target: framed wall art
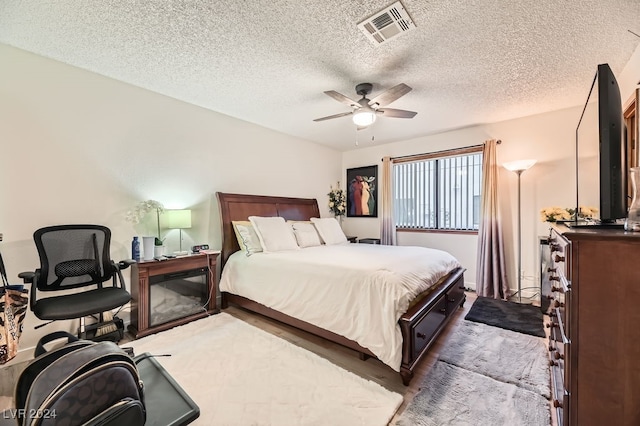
362 192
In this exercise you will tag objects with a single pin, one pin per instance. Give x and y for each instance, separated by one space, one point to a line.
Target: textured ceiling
269 61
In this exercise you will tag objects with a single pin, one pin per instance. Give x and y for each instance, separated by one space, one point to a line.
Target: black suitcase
80 383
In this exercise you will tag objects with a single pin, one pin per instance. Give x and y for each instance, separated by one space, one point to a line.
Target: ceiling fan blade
390 95
329 117
397 113
342 98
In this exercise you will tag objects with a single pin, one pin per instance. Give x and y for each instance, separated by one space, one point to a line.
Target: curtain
491 278
387 225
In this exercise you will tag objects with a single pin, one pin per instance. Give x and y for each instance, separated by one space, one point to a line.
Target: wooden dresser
592 280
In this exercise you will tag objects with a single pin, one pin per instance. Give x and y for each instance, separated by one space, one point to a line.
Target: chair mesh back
73 256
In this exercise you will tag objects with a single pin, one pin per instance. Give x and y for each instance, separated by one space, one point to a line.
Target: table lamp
179 219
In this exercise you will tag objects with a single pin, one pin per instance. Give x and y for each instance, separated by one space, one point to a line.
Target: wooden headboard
241 206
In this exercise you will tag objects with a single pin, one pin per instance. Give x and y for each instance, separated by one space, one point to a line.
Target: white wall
78 147
549 138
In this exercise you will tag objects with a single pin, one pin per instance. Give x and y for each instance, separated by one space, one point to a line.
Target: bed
423 317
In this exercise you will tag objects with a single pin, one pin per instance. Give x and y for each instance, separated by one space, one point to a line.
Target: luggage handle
50 338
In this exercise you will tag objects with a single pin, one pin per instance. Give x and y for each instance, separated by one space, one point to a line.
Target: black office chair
73 257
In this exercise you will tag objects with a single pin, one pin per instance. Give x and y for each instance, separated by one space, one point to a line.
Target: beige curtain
387 224
491 278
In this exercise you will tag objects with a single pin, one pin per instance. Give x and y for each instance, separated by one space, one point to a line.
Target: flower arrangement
141 209
554 214
337 201
584 212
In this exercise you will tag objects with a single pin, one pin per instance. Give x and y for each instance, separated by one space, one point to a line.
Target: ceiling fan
365 110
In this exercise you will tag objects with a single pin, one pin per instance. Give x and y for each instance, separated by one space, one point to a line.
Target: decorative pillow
247 238
306 234
274 233
330 230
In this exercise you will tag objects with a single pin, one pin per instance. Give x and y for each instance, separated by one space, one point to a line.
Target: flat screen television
601 151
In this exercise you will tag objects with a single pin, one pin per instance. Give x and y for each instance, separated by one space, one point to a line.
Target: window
438 191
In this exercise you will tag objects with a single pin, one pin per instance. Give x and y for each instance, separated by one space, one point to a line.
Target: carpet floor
484 375
241 375
454 396
512 316
503 355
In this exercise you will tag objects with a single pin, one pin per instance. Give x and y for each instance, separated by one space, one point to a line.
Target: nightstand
369 240
352 239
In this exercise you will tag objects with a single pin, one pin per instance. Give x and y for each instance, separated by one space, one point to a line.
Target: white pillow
274 233
330 230
306 234
247 238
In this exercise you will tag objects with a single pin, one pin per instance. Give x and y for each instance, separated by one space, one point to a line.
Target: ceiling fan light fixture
364 118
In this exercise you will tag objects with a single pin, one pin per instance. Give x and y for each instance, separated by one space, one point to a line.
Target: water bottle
135 249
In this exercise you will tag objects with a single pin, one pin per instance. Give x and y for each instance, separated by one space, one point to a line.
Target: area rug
451 395
513 316
241 375
503 355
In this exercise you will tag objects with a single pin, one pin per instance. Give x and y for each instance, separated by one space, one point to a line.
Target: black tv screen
601 146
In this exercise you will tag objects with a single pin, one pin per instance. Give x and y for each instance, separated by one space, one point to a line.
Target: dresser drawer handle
553 363
557 404
558 304
552 348
556 247
559 258
560 289
552 324
558 355
551 269
554 278
421 336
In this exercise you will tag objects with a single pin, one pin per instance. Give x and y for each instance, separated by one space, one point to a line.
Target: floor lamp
518 167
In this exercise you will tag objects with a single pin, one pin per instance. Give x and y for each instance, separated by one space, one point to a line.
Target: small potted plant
337 202
136 214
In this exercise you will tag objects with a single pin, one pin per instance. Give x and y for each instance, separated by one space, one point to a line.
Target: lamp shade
519 165
364 117
178 219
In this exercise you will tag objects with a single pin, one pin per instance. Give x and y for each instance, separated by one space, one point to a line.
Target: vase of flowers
555 214
136 214
337 202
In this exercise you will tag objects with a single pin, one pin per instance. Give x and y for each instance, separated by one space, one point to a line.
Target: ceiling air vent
389 23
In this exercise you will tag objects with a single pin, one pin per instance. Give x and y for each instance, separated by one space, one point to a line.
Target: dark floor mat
513 316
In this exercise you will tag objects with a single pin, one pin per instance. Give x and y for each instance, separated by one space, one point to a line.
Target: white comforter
355 290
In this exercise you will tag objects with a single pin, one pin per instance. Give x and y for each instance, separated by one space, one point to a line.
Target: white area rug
451 395
241 375
501 354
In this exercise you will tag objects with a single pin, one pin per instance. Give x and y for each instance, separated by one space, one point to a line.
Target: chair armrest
124 264
27 277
